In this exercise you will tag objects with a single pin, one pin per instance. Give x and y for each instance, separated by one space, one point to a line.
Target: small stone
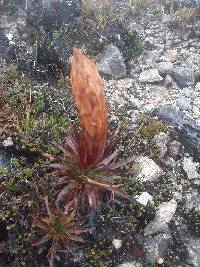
174 149
144 198
117 243
183 103
193 61
190 168
147 169
164 68
150 76
8 142
161 141
134 27
160 260
168 80
197 87
172 54
130 264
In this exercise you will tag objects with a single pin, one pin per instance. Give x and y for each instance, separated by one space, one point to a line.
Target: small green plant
3 170
134 43
59 227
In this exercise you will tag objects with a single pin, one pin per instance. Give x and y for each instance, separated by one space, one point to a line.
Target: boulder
187 129
111 62
150 76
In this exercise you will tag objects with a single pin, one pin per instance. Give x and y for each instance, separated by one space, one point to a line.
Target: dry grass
143 3
88 6
184 15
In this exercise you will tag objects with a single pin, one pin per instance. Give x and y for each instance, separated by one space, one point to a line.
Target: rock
111 62
193 61
134 27
164 68
169 162
161 141
117 243
149 58
184 77
147 170
186 128
191 199
144 198
190 168
193 248
130 264
150 76
164 215
174 149
197 87
156 247
183 103
4 160
172 54
168 81
7 142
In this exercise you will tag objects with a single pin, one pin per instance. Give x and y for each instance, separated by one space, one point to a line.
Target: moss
3 170
150 128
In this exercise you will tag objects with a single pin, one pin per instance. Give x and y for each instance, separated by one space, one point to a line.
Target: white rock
147 169
150 76
166 211
130 264
190 168
7 142
164 215
117 243
197 87
144 198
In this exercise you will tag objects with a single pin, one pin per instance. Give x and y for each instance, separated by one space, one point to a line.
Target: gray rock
164 68
111 62
161 141
147 170
135 27
149 58
184 77
174 149
164 215
169 162
150 76
191 199
187 129
183 103
193 61
168 81
193 248
130 264
4 160
190 168
156 247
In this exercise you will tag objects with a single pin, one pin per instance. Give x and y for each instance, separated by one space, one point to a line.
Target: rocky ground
151 72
